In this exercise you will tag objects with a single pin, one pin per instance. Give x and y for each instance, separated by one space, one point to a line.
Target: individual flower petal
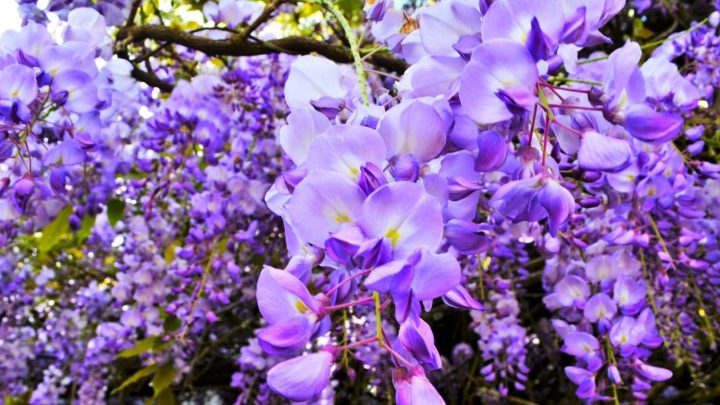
435 275
580 344
414 390
460 298
302 378
443 25
497 66
600 306
492 151
512 19
432 75
627 332
321 204
419 341
77 90
18 83
578 375
285 337
653 373
415 128
345 149
405 214
281 296
648 125
571 289
304 124
603 153
68 153
395 277
629 294
517 200
601 268
311 78
558 202
467 237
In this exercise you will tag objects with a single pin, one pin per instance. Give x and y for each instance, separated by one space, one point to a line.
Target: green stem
354 49
662 41
378 318
581 81
611 359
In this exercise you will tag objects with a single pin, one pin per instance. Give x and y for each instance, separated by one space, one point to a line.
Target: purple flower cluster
392 193
290 227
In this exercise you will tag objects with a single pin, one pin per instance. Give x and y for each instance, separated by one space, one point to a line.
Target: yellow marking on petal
393 235
486 263
623 100
301 307
341 218
354 171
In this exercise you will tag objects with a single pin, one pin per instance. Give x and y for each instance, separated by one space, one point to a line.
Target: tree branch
264 16
133 12
151 79
236 45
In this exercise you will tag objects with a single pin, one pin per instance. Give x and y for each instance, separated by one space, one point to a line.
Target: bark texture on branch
235 45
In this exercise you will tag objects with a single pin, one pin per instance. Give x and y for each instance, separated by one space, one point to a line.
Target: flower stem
347 280
354 49
358 343
378 318
349 304
405 363
611 360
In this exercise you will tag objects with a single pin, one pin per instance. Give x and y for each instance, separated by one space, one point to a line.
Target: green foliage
171 323
140 347
163 378
166 397
55 230
85 228
115 210
139 375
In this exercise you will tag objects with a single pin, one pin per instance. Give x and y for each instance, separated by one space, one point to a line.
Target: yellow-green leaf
169 254
163 378
139 375
86 228
55 230
166 397
140 347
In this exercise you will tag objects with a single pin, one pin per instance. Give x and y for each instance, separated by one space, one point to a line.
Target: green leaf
115 210
55 230
139 375
163 378
86 228
166 397
169 254
171 323
140 347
